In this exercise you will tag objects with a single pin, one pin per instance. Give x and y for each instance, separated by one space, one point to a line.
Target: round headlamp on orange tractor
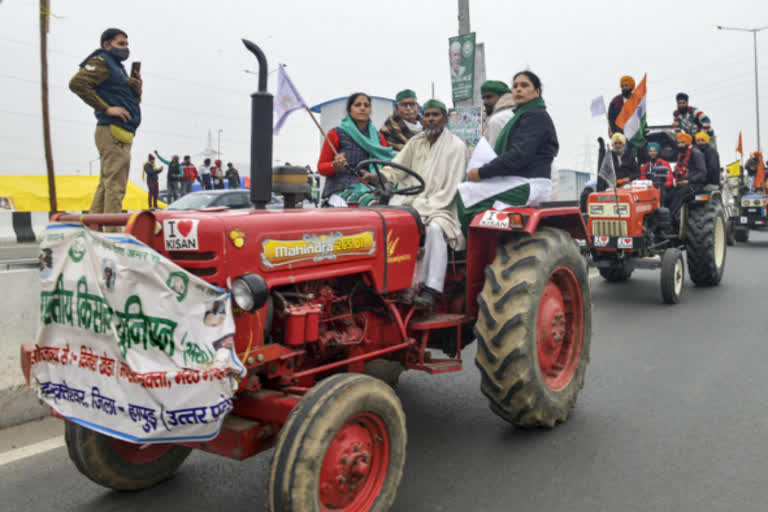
250 292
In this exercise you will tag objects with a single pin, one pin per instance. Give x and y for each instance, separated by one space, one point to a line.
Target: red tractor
318 316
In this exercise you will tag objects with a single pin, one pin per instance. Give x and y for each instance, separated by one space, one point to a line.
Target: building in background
571 183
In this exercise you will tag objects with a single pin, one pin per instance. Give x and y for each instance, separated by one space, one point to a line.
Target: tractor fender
567 218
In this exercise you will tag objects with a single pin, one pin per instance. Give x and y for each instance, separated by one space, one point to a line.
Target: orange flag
739 149
760 175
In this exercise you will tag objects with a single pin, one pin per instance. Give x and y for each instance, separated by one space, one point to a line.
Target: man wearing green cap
440 158
498 103
404 123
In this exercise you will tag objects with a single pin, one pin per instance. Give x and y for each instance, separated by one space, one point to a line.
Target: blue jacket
116 92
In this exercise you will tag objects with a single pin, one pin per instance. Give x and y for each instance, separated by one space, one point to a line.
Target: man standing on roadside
205 174
103 83
189 175
233 177
404 123
173 183
151 171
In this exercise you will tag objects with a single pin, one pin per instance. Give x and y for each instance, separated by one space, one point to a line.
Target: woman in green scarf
355 140
526 147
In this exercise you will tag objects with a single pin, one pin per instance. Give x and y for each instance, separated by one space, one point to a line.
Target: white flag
607 172
597 107
287 100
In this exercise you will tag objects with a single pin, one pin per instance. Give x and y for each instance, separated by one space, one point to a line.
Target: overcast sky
194 81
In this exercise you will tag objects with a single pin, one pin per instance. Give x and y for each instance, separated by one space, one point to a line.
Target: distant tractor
631 229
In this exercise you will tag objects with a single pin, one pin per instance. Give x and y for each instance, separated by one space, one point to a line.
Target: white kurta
442 166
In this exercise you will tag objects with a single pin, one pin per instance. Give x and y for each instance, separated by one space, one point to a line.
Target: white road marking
31 450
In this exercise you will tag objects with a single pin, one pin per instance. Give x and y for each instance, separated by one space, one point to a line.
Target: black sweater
531 147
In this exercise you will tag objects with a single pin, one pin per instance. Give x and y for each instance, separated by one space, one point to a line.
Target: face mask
119 53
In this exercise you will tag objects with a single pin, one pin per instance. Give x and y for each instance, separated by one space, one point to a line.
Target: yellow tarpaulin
734 169
73 193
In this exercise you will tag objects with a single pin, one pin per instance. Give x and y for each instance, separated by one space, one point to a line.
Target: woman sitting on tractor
521 173
353 141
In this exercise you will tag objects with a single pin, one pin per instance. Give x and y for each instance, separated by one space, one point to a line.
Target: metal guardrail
19 263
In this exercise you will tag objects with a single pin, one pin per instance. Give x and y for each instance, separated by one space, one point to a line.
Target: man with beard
690 176
498 103
404 123
627 84
691 120
711 157
440 158
624 161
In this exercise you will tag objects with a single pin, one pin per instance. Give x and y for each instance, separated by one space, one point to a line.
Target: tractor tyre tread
94 456
508 363
741 235
700 250
309 429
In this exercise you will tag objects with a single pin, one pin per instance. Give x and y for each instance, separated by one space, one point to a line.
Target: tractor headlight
250 292
623 210
596 209
745 203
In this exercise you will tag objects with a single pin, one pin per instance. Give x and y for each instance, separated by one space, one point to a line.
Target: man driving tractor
440 158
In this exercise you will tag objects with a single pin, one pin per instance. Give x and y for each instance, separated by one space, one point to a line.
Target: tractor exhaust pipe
261 134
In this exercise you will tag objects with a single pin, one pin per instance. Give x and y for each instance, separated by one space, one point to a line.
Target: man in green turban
440 158
498 103
404 122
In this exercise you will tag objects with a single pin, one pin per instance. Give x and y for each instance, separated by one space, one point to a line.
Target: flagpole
325 136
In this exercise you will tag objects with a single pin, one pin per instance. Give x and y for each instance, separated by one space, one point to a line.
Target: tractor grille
201 264
609 227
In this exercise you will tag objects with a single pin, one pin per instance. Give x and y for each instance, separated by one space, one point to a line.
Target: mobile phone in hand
135 69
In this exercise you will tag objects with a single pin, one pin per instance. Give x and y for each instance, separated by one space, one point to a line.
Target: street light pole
219 137
757 90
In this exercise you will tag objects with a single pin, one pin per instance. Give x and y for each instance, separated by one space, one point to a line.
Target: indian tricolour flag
632 116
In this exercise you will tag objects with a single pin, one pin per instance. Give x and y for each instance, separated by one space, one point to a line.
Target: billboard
461 53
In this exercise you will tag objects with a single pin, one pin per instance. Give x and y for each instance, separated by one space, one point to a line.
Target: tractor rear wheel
616 274
342 448
534 329
741 234
672 275
118 464
706 247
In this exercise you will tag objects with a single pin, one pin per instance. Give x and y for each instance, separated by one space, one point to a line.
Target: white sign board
130 344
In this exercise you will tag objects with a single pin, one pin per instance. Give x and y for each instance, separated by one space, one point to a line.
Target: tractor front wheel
534 329
672 275
121 465
741 234
342 448
616 274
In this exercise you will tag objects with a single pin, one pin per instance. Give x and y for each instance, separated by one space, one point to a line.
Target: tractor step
437 321
436 366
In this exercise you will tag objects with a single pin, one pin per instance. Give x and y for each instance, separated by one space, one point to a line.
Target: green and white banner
130 344
461 52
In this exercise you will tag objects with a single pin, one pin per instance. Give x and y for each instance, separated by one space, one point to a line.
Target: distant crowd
183 174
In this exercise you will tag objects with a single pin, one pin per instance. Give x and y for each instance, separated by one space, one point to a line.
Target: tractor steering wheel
388 189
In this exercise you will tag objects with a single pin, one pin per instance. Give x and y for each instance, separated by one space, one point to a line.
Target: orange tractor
632 229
